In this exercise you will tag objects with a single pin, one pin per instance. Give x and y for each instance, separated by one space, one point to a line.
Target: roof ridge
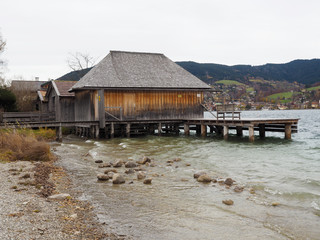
129 52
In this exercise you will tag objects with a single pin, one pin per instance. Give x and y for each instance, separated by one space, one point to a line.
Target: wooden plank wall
155 104
84 106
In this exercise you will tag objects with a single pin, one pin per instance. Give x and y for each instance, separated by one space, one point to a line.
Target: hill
301 71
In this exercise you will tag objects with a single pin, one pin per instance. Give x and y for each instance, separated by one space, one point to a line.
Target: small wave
89 141
93 153
315 205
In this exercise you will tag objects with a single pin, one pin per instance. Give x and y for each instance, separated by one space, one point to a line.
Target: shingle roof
139 70
62 87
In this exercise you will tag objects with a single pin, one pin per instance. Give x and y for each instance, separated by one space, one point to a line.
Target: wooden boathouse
130 93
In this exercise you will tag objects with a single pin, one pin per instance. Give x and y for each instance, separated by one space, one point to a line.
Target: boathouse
137 86
60 101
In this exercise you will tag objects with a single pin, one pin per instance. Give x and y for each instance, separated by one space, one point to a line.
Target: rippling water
282 172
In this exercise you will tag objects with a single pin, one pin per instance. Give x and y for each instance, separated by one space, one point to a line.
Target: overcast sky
41 33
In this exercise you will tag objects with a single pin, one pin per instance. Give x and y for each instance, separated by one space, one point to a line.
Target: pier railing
26 117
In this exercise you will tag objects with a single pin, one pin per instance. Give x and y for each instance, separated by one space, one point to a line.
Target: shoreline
31 207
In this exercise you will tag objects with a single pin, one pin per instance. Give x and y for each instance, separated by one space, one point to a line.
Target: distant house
26 94
60 101
136 86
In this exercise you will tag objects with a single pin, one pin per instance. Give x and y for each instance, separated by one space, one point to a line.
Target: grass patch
229 82
313 88
282 95
250 89
21 146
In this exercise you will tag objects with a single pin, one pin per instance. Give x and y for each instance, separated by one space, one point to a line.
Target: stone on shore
129 171
227 202
110 174
60 196
118 163
147 181
110 170
104 165
130 164
98 161
198 174
204 178
228 181
102 177
141 175
118 179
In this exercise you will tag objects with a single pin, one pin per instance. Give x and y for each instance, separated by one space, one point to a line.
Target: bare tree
2 46
79 61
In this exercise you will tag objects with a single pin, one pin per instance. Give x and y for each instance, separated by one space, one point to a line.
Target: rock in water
144 160
102 177
238 189
228 202
141 175
147 181
198 174
118 179
118 163
110 170
104 165
60 196
98 161
204 178
228 181
130 164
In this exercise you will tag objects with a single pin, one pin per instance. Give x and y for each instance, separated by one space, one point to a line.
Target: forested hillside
301 71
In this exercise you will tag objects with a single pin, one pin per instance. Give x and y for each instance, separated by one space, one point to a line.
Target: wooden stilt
239 131
159 129
287 131
203 130
128 130
211 129
186 128
106 132
97 131
251 133
59 134
92 131
198 129
225 132
262 130
112 130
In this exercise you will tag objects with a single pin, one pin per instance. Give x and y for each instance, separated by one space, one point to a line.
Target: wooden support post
102 113
211 129
176 126
97 131
287 131
239 131
186 129
151 129
262 130
159 129
251 133
219 130
128 130
106 134
92 131
59 134
225 132
198 129
203 130
112 130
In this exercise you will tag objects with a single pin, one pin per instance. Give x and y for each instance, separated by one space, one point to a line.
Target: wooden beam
251 133
186 128
287 133
225 132
101 109
97 132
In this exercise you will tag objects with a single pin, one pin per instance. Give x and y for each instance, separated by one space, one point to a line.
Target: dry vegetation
25 145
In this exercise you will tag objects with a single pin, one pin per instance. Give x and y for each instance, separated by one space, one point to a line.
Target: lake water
285 173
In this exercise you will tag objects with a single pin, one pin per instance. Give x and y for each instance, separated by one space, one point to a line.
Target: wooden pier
128 128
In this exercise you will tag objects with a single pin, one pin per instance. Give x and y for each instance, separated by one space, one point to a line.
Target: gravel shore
27 211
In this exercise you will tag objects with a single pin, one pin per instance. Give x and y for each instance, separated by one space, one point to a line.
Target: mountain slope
301 71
